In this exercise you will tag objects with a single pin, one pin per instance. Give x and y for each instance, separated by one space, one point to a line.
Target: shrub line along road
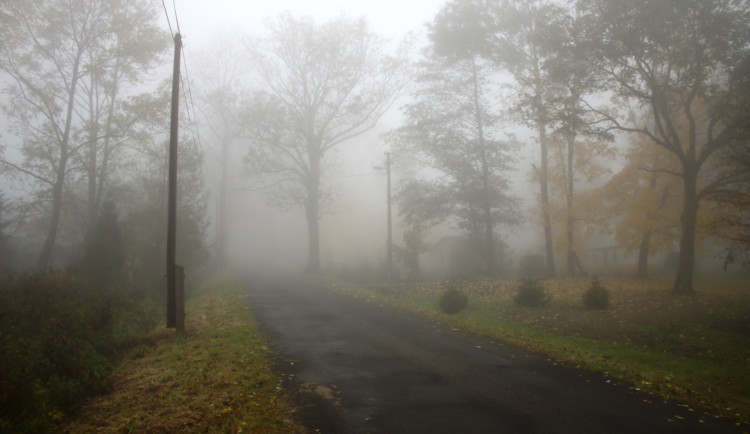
360 367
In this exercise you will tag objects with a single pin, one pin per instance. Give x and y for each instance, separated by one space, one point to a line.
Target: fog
528 184
250 147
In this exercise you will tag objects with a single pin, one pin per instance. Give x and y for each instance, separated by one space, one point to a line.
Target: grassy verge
692 349
217 378
60 335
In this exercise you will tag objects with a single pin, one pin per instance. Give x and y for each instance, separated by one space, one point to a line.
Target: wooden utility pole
172 205
390 233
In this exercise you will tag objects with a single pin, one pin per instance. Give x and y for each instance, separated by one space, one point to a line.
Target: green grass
217 378
693 349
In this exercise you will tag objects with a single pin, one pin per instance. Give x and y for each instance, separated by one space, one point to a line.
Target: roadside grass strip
217 378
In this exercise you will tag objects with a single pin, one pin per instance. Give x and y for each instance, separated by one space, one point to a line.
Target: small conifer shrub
453 301
596 296
531 293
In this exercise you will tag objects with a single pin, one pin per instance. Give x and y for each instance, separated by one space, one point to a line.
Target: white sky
199 19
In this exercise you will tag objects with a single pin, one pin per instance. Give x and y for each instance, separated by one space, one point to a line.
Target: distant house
454 255
611 259
617 260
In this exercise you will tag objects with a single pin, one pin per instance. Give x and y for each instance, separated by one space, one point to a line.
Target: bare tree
222 84
325 84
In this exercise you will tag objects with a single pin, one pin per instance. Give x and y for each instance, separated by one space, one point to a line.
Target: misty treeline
668 77
83 205
88 118
635 114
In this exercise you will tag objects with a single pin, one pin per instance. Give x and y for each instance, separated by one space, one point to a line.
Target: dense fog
514 132
414 216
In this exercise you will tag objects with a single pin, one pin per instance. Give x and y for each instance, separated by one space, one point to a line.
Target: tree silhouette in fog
324 85
68 66
104 255
452 131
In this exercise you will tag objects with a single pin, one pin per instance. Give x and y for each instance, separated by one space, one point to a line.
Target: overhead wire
169 23
177 20
190 104
188 99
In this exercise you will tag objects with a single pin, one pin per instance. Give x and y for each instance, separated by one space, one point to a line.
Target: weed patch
60 337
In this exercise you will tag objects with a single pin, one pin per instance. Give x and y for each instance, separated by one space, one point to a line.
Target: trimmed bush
531 293
596 296
453 301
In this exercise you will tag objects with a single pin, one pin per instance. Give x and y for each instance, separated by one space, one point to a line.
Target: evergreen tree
104 257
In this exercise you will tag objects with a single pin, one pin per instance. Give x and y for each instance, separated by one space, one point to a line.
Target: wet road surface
358 367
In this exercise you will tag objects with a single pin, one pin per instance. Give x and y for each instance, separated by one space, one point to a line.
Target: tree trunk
541 125
569 205
577 262
91 171
312 212
487 204
107 143
683 284
49 242
92 208
571 255
221 218
62 167
548 248
643 251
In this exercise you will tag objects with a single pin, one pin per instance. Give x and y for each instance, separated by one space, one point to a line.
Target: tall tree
326 84
49 49
222 84
688 62
578 146
133 45
450 129
733 222
642 201
577 165
511 34
143 199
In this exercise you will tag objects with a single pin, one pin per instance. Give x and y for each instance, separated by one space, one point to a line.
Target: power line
177 20
189 102
167 15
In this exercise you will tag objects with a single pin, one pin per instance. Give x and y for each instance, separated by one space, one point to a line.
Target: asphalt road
358 367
